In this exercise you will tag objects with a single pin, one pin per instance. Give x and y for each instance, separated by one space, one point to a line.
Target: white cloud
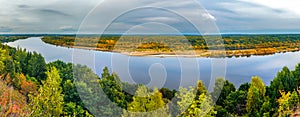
160 19
67 28
290 6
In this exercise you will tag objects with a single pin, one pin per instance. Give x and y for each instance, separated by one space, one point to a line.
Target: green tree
92 94
167 93
49 100
149 102
284 81
110 84
255 96
244 87
235 103
296 74
190 106
221 90
74 110
201 107
185 98
36 66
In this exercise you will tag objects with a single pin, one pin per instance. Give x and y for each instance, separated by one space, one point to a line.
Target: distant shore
190 46
195 53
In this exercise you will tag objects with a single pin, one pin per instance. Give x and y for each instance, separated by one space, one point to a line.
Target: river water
169 71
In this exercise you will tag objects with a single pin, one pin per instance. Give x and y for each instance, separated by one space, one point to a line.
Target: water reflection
239 70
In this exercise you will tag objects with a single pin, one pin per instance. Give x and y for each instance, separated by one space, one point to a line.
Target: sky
92 16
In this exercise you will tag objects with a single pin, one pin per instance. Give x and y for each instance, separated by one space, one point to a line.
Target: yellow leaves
284 108
146 103
49 101
3 57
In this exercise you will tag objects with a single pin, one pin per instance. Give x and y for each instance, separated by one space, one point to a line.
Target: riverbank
189 46
195 53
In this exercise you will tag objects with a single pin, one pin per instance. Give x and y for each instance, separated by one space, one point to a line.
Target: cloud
5 29
291 7
50 11
67 28
247 16
160 19
230 15
23 6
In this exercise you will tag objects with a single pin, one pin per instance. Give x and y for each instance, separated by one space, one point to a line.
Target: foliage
30 87
110 84
8 38
12 103
235 103
235 45
255 96
221 90
149 102
49 100
287 102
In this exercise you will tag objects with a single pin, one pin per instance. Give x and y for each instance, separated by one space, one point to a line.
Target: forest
4 39
31 87
232 45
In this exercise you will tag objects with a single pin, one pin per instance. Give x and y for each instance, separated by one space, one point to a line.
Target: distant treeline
234 45
31 87
5 39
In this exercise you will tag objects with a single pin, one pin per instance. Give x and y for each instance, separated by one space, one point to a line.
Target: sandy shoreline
194 53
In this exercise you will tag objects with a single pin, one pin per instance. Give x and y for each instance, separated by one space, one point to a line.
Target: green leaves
190 104
255 96
149 102
49 100
287 102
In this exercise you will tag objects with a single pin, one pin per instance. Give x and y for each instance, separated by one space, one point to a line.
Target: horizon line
183 34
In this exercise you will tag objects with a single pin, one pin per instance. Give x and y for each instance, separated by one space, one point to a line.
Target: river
167 72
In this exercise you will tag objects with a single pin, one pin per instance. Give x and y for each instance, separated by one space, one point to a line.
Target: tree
185 98
296 74
25 86
255 96
221 90
110 84
201 107
36 66
244 87
235 102
3 58
284 81
287 102
150 103
167 93
70 93
200 88
74 110
294 100
191 105
49 100
284 109
91 93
